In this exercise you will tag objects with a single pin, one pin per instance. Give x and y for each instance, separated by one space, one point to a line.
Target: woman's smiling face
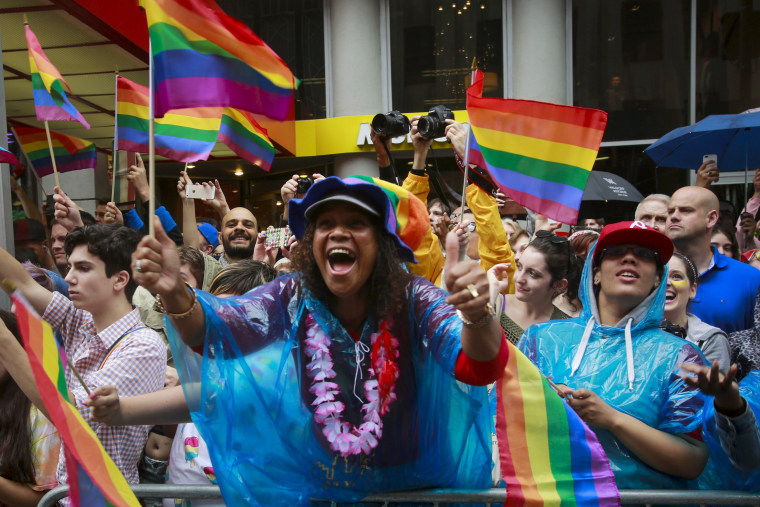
679 290
345 249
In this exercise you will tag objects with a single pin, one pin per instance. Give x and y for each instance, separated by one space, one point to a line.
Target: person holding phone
708 173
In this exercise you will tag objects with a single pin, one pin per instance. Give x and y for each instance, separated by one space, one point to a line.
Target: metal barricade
437 497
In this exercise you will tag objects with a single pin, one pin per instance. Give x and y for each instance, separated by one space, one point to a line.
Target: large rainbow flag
50 99
243 134
71 153
6 157
539 154
203 57
78 438
185 135
549 457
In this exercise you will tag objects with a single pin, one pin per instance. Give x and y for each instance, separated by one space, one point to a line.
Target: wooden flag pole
466 161
52 156
151 148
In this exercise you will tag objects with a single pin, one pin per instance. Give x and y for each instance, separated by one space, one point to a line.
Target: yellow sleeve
493 246
429 255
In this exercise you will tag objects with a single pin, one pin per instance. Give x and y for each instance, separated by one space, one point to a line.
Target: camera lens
427 126
380 123
392 124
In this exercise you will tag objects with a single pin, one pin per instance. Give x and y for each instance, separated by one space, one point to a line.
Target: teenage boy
103 335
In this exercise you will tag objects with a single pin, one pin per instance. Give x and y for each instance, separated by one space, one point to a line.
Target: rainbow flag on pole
539 154
6 157
184 135
50 100
79 439
548 455
242 133
202 57
71 153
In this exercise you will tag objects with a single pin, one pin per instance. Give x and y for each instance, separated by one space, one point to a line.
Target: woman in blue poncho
340 380
620 371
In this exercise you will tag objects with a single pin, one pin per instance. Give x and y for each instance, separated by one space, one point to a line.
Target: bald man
727 289
238 236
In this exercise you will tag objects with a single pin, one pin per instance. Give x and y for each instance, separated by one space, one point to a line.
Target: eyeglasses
470 226
641 252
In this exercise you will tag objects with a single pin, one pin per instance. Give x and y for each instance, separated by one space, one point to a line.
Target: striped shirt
135 365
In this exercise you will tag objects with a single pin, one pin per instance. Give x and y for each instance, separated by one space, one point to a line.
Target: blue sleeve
437 322
167 222
682 409
59 284
132 220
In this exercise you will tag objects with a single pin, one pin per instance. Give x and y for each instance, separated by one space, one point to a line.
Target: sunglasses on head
557 240
642 252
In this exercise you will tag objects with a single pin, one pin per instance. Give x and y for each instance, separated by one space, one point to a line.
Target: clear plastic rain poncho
248 394
633 366
721 472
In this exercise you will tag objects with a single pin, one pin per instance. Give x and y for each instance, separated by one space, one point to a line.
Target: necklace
379 389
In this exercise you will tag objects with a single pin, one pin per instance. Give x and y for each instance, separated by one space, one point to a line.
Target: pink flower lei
379 389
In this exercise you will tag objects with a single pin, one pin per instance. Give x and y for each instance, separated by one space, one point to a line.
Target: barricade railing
444 496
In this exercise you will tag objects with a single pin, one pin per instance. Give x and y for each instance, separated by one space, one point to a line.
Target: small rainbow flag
6 157
184 135
71 153
77 436
548 454
203 57
539 154
50 99
242 133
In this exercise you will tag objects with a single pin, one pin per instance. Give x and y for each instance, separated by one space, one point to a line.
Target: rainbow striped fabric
548 454
71 153
6 157
539 154
185 135
50 99
203 57
242 133
77 436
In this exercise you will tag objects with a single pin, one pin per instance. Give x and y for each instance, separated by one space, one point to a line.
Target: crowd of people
357 357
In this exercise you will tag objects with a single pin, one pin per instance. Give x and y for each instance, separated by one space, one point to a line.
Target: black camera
433 125
304 182
392 124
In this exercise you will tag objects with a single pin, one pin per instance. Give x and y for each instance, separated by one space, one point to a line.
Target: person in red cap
619 370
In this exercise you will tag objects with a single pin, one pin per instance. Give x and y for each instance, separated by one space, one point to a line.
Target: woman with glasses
619 370
543 271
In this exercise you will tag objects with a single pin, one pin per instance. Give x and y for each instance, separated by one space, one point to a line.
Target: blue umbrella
735 138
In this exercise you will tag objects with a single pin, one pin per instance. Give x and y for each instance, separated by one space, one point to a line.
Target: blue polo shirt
726 294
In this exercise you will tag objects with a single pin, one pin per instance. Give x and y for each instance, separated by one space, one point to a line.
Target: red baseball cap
634 233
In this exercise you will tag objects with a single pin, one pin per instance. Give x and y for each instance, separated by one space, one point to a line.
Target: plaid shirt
137 365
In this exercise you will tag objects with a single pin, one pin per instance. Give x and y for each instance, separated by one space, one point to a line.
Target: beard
238 252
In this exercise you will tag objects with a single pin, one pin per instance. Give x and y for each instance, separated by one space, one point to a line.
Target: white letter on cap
638 225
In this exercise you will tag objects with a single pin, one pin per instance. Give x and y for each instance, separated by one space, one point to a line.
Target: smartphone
712 158
277 238
198 191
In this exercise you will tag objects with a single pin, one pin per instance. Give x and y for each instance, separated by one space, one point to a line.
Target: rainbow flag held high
71 153
50 99
6 157
204 58
548 455
243 134
184 135
78 438
539 154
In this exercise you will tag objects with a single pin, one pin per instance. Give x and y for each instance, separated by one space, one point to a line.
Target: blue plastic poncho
721 472
648 388
249 396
